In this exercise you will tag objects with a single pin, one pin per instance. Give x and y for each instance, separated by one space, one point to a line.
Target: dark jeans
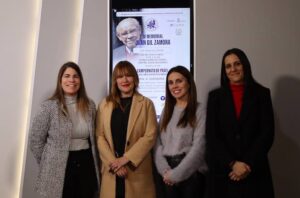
193 187
80 177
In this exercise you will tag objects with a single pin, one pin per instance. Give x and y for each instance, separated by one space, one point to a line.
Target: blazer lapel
135 109
107 111
229 103
247 103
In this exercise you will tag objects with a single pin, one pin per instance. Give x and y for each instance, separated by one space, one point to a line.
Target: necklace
124 108
125 103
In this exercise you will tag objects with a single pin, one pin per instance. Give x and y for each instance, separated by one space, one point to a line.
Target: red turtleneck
237 94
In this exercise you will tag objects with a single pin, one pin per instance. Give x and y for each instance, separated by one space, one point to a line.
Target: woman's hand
118 163
122 172
166 179
240 170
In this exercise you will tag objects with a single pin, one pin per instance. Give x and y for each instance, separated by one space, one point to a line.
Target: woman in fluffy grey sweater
63 142
180 148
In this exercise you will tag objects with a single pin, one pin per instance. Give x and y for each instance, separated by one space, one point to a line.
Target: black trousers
193 187
80 178
120 187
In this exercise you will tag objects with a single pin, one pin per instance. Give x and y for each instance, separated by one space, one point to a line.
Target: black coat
247 139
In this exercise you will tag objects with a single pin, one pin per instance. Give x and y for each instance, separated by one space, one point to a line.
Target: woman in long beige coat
126 133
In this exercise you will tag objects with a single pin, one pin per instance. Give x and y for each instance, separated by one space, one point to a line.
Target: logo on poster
151 24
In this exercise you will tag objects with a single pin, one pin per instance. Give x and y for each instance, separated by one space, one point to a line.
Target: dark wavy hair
189 115
82 98
248 78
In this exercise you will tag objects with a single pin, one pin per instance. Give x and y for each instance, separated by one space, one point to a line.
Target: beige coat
141 135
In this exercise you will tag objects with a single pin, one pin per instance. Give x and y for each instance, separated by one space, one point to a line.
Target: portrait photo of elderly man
128 32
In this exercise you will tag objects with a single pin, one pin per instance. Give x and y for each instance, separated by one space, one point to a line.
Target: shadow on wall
285 154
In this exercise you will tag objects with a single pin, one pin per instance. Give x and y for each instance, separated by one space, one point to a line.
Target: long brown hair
121 68
82 98
189 114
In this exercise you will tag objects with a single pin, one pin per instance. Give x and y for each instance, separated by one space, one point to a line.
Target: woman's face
178 86
125 83
234 69
70 82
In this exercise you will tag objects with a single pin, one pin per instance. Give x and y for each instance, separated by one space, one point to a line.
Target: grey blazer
49 138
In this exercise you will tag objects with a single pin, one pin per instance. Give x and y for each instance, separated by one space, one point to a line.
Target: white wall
93 54
268 31
18 22
60 41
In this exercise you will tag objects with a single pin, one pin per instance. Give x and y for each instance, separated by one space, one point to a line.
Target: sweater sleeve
160 161
39 130
194 159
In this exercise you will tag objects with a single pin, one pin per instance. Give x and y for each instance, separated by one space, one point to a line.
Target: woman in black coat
240 133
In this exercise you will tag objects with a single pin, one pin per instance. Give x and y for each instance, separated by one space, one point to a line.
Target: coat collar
107 112
246 104
135 110
248 100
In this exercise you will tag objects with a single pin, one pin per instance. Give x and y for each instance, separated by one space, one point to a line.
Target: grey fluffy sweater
176 140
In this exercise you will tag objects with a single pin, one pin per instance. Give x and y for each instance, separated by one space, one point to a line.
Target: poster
153 40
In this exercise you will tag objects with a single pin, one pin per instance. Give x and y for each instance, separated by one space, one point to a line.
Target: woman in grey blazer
62 139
